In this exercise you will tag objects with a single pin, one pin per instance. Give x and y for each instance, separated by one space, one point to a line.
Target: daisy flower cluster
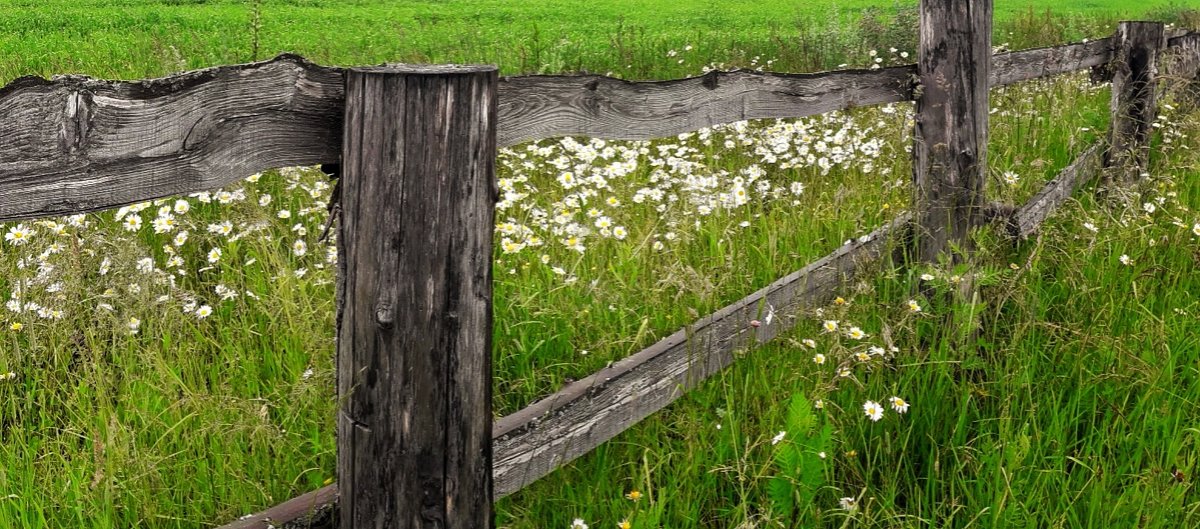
1152 212
874 410
182 259
847 347
649 195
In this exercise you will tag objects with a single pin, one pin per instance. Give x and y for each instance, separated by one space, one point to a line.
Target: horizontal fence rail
557 429
1026 219
1016 66
316 509
546 106
76 144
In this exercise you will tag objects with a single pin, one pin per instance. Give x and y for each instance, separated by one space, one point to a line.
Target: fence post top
427 69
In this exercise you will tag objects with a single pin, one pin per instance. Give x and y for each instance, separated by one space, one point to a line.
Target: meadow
170 364
134 39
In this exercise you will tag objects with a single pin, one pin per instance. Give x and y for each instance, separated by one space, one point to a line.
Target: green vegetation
161 380
142 38
1057 392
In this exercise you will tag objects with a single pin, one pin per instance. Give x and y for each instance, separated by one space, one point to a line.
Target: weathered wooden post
1185 65
1133 104
415 320
954 60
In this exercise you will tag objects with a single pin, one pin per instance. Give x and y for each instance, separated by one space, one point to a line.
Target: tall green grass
1059 391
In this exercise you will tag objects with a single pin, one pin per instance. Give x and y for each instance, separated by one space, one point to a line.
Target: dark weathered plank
950 137
1026 219
1184 58
557 429
311 510
1134 99
536 107
1012 67
78 144
415 310
1171 33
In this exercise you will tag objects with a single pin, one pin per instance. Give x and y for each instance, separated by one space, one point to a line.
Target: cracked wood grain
77 144
540 106
950 136
1183 61
1134 102
414 348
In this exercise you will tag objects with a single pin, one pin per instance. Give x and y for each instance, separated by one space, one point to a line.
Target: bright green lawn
133 39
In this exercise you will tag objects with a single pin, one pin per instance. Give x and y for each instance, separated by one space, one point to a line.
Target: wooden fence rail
1025 220
417 324
75 144
1017 66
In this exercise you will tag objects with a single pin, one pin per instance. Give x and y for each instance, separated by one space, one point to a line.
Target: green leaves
799 461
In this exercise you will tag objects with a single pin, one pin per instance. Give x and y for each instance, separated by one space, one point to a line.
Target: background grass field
1063 395
135 39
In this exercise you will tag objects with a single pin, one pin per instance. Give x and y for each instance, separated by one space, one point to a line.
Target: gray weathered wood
559 428
950 139
535 107
1182 63
1187 56
1104 72
77 144
311 510
544 106
1026 219
1012 67
1133 105
415 311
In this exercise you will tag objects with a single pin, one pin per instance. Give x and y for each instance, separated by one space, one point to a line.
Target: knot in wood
384 314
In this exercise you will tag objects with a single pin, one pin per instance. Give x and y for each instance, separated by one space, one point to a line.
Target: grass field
171 363
142 38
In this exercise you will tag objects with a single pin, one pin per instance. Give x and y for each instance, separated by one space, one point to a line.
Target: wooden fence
417 145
